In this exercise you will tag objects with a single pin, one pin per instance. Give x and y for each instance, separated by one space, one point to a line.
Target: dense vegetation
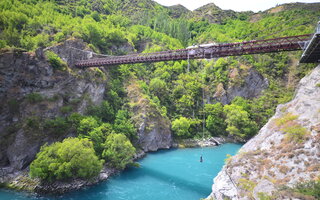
182 91
118 150
71 158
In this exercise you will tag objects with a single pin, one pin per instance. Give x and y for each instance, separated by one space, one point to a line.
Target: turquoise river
173 174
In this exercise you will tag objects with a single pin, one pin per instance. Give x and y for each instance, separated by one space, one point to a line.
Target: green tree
239 101
95 15
118 151
158 87
239 125
58 125
181 127
104 111
74 119
72 158
220 70
98 136
215 121
187 94
86 125
124 125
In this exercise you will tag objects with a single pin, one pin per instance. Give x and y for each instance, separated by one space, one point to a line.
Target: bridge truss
291 43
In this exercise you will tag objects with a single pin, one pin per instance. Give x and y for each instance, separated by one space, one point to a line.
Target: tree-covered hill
177 11
187 93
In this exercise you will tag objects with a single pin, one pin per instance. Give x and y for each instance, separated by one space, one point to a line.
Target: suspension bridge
309 43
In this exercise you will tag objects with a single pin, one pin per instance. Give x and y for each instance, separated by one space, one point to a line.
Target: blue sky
237 5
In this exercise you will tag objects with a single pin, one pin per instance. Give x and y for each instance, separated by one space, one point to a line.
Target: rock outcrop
153 129
214 14
248 87
179 10
60 187
32 91
285 152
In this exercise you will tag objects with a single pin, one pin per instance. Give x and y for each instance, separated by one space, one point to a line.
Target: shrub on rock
118 151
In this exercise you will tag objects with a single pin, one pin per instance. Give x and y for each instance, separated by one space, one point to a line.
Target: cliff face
32 91
285 152
153 129
249 85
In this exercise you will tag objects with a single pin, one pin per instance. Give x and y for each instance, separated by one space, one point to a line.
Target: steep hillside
285 153
291 6
138 10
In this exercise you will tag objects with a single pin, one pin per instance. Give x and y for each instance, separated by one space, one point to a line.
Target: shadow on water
163 151
177 181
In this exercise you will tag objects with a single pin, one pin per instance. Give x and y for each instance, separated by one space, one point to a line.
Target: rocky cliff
248 85
32 91
35 96
285 152
153 129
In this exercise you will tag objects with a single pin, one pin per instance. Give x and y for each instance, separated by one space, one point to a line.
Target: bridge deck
291 43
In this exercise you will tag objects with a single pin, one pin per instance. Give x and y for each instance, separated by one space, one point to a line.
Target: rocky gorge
33 91
24 74
63 128
285 152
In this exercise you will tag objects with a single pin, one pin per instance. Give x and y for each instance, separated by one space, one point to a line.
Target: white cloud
237 5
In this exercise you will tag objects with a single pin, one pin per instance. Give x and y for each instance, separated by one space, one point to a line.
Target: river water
173 174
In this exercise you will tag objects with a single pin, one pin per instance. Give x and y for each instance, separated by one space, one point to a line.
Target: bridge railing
216 50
